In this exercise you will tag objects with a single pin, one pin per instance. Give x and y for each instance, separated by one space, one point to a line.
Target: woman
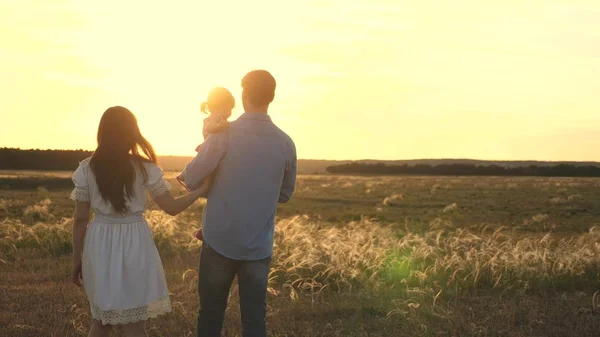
115 254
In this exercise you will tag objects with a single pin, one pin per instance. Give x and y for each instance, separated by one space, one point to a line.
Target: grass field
354 256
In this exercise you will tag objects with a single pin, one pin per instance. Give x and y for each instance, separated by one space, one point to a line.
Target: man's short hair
259 87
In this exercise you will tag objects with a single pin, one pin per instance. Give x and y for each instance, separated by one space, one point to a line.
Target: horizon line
346 160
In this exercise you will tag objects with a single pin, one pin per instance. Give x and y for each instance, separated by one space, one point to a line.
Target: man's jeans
216 275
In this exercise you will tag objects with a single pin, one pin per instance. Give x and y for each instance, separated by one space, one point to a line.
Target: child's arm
214 123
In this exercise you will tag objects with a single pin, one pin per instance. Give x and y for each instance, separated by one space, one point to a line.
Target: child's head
219 101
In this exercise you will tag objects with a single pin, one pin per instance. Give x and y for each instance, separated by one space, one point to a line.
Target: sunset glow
357 79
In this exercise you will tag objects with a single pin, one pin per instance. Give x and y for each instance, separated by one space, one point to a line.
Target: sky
357 79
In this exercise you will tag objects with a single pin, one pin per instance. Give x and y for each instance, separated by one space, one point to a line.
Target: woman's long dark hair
118 154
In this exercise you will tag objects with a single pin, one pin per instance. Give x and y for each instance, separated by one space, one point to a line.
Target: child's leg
199 235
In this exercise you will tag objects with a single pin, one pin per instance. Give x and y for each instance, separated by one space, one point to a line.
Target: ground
354 256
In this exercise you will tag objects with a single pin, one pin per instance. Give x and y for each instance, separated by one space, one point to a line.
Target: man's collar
257 116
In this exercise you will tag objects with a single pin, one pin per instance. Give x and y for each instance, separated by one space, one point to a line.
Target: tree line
53 160
67 160
559 170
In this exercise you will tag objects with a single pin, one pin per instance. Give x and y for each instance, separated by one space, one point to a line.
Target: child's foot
199 235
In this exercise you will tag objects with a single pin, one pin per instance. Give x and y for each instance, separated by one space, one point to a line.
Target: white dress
123 275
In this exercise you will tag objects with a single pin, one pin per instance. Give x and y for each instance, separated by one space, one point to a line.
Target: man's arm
206 161
288 184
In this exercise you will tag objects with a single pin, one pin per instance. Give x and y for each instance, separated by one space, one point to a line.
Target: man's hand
76 274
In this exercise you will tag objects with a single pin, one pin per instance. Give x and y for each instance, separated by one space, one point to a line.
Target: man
256 164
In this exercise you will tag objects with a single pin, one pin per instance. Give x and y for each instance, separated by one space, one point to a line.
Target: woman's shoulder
82 172
155 178
150 165
84 164
153 170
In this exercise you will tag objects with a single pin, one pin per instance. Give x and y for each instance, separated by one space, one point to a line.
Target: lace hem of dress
159 188
79 194
125 316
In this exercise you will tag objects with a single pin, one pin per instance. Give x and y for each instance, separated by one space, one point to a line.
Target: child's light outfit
211 124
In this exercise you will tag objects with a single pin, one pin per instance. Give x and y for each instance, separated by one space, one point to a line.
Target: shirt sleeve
80 179
207 160
156 183
288 184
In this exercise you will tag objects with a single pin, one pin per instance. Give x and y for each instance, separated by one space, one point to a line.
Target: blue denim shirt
256 169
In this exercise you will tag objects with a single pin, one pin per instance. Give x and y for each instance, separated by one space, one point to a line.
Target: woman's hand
80 222
173 206
202 192
76 274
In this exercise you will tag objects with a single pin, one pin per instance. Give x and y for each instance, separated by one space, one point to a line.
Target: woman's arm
174 206
80 222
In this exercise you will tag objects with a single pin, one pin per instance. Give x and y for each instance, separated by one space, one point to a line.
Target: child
218 106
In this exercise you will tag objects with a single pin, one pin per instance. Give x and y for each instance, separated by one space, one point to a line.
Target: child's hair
218 98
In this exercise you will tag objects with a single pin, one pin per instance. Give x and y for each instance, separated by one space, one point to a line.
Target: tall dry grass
313 256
